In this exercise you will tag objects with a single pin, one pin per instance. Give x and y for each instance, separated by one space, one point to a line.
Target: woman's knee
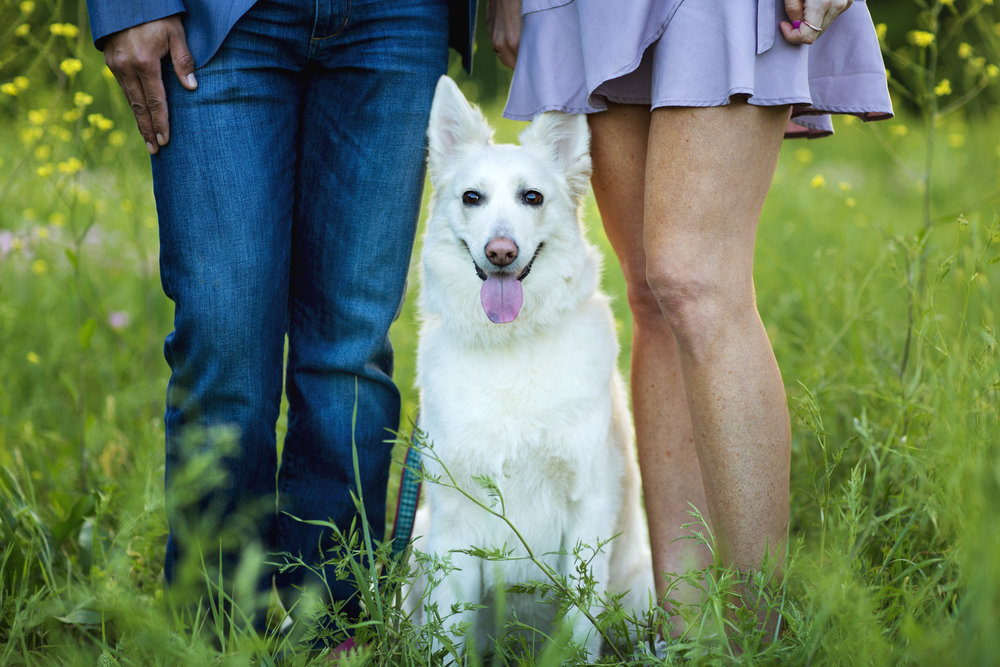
699 303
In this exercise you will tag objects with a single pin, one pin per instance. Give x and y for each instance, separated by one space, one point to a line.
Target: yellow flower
107 73
70 166
956 139
844 186
943 88
27 7
43 152
992 71
803 155
117 138
128 205
100 121
948 3
39 266
45 170
22 30
82 99
42 232
58 219
32 356
38 116
71 66
880 30
30 135
921 38
60 133
818 181
899 130
64 30
964 50
9 89
71 115
851 202
22 82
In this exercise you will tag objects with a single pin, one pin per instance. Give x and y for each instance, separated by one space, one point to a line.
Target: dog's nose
501 251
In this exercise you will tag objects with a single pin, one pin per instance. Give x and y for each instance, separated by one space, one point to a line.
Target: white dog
517 370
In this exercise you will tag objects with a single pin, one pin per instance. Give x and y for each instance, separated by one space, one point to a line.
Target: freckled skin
680 192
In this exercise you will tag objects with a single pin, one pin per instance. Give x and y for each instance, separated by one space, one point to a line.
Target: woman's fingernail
192 82
796 24
160 140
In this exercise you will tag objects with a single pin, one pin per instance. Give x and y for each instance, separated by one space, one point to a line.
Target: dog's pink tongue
501 296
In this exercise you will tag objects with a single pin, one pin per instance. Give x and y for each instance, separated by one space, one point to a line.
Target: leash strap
409 496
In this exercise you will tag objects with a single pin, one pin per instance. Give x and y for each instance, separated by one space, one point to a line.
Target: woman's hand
503 21
808 19
133 56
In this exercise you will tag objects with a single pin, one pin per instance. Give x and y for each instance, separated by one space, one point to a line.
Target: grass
877 280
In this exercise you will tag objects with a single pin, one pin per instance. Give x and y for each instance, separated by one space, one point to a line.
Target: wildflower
6 243
45 170
818 181
948 3
851 202
880 30
32 357
899 130
9 89
57 219
803 155
82 99
30 135
992 71
964 50
71 66
38 116
64 30
844 186
27 7
39 267
70 166
42 233
43 152
107 74
100 121
60 133
943 88
22 82
956 139
117 138
22 30
921 38
71 115
118 319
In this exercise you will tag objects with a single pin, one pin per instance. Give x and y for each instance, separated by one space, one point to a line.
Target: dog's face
502 213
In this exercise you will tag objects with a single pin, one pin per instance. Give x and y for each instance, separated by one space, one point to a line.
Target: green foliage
877 272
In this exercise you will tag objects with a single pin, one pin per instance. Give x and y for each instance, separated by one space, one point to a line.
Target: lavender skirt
577 55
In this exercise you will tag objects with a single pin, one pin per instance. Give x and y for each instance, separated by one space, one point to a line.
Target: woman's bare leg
680 192
708 171
671 475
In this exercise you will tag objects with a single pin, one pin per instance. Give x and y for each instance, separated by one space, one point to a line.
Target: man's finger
181 58
156 103
136 97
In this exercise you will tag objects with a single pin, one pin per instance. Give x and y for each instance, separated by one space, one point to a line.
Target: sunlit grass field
878 278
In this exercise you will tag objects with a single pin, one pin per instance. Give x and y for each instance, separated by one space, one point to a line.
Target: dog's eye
471 198
532 198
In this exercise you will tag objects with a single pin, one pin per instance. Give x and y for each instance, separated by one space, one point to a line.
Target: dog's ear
454 126
565 139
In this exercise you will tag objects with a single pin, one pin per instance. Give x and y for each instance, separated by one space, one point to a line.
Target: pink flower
118 319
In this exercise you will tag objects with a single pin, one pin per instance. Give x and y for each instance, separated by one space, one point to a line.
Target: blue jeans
288 199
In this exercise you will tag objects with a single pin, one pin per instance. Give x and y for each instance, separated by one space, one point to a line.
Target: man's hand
503 22
134 55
